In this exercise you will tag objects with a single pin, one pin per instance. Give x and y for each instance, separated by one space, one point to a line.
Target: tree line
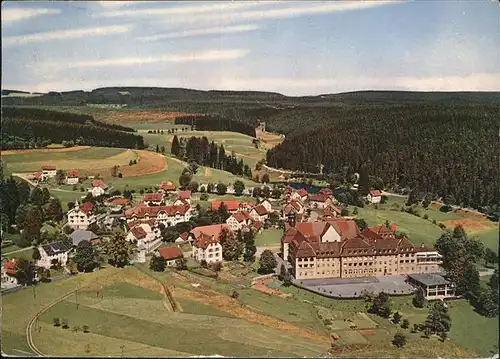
204 153
445 152
216 123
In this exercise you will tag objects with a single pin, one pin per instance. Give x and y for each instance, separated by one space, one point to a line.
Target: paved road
24 176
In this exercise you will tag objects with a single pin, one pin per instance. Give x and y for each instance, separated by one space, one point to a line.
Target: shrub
85 328
425 216
235 294
327 321
56 321
65 323
204 196
399 340
405 324
76 328
120 175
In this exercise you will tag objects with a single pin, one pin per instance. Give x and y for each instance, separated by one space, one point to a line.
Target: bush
204 196
85 328
76 328
425 216
120 175
399 340
56 321
65 324
441 225
327 321
405 324
235 294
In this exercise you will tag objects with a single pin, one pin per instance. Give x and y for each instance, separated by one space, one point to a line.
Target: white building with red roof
206 244
166 187
320 200
300 194
170 254
259 213
147 238
374 196
98 188
8 273
185 195
48 171
168 215
232 206
153 199
81 216
72 177
239 220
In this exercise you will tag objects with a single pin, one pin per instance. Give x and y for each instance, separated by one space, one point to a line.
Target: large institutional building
337 249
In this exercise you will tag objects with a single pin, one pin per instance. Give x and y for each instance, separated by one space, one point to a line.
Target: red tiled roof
241 216
10 267
184 235
347 228
184 194
183 201
204 240
48 168
167 186
211 230
375 193
302 192
86 207
170 253
73 174
98 183
425 249
318 197
155 197
118 201
138 232
151 222
143 210
38 174
231 205
326 191
261 210
257 225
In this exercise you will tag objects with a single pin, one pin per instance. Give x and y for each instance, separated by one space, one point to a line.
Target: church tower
291 218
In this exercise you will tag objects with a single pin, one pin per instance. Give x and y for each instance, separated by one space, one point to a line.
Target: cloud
185 10
11 15
64 34
210 55
120 4
295 10
217 30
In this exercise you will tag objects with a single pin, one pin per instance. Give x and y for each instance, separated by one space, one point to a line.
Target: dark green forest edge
436 144
36 128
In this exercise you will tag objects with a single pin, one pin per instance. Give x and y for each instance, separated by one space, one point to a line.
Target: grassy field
84 158
239 143
420 230
130 318
269 237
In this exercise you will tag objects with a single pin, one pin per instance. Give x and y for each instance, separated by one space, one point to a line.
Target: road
24 176
17 251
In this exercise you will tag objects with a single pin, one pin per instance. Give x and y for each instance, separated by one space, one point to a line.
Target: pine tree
419 298
232 249
32 225
239 187
54 210
85 257
174 150
119 250
267 262
24 192
36 197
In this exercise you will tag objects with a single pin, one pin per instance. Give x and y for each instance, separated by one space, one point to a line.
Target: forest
34 128
448 152
204 153
216 123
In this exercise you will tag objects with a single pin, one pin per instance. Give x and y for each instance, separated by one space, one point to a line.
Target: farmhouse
434 285
181 202
326 191
8 273
315 251
206 244
81 216
331 212
320 200
295 206
183 238
38 177
48 171
300 194
98 188
239 220
147 238
374 196
72 177
168 215
166 187
171 255
49 253
259 213
117 203
153 199
267 205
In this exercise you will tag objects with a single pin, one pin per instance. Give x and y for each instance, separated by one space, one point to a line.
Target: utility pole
122 347
76 294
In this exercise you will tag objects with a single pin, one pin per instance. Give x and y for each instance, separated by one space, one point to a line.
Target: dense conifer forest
448 152
204 153
216 123
32 128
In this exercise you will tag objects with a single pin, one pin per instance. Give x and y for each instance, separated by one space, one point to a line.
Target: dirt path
233 307
44 150
208 172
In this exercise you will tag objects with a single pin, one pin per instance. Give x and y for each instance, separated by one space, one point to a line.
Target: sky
291 47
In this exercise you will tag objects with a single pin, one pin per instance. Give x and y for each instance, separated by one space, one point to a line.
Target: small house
72 177
434 285
81 216
259 213
153 199
374 196
53 251
98 188
48 171
167 187
171 255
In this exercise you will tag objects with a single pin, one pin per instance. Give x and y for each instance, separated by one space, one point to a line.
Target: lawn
269 237
194 307
416 228
28 162
489 238
26 253
473 331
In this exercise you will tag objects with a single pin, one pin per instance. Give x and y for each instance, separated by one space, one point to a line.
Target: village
321 250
